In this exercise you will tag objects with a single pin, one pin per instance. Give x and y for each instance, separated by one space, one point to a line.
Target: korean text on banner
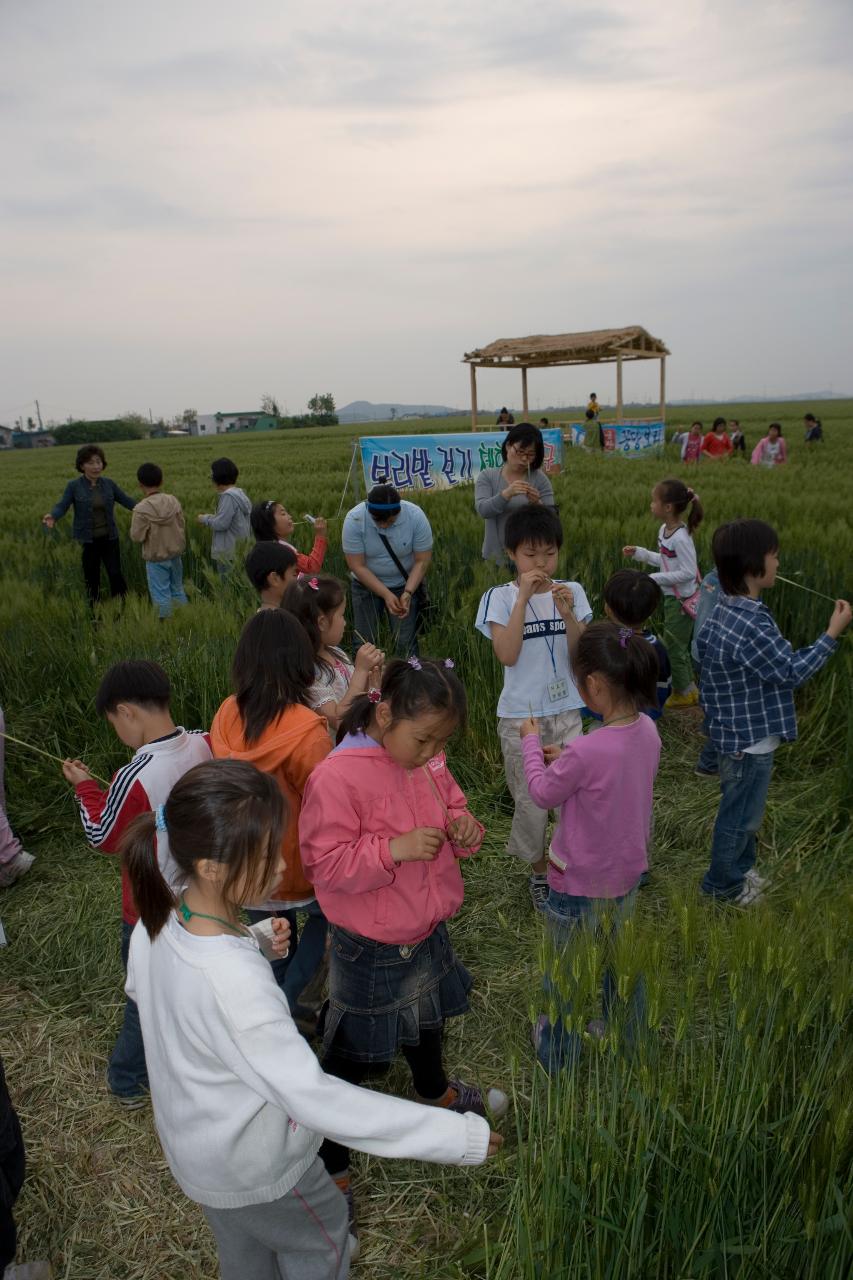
442 461
633 438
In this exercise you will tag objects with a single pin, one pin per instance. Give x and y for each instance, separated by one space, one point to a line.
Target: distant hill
365 411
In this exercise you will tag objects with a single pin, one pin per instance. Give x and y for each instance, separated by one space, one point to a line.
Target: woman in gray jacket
520 480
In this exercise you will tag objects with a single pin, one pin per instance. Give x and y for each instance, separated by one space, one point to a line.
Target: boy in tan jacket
158 523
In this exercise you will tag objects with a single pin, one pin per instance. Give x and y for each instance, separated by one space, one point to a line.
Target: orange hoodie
289 748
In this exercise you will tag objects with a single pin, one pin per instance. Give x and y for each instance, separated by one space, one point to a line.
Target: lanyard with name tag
558 688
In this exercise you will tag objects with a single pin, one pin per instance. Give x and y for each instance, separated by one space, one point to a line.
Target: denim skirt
382 995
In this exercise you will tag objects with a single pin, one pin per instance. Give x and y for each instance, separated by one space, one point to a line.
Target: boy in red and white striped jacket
134 697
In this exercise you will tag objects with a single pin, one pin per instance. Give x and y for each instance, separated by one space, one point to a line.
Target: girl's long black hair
273 669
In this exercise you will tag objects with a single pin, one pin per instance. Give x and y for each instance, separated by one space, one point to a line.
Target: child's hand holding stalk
75 772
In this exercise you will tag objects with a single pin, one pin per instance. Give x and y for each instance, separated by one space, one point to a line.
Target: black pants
427 1068
102 551
11 1173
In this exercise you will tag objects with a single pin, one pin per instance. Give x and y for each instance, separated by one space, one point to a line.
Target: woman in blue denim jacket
93 498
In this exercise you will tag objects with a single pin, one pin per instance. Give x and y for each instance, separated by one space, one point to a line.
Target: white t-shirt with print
541 679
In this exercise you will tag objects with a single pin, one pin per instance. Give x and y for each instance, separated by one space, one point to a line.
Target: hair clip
449 663
374 695
313 584
691 496
160 817
625 634
414 663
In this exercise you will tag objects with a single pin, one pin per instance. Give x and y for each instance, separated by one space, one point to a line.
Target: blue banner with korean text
632 439
443 461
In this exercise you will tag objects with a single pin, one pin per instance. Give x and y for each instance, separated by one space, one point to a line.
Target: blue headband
383 506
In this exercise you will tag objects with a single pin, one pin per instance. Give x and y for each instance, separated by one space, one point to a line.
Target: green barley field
722 1149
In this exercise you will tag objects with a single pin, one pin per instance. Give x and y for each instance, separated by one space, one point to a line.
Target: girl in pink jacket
770 451
382 826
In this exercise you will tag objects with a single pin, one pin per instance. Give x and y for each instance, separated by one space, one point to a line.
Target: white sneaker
12 871
749 895
760 882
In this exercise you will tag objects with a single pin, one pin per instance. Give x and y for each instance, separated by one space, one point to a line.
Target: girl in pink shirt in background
382 828
603 785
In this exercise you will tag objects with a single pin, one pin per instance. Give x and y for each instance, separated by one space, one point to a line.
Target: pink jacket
758 452
356 801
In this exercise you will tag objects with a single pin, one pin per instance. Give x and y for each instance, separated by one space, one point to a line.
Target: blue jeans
566 914
744 780
294 971
166 583
127 1074
368 611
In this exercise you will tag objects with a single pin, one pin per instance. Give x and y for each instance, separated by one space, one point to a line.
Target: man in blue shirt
387 544
749 674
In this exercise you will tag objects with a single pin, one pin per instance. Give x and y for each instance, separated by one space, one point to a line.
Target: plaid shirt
750 672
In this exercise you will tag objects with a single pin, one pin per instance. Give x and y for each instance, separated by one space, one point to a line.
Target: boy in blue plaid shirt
749 674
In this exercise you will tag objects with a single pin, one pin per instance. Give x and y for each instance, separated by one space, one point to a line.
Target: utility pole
38 415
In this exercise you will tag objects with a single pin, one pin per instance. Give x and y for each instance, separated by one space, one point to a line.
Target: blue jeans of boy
744 780
565 915
368 611
127 1074
294 971
166 583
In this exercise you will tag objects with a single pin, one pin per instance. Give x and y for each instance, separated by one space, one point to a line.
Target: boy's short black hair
223 471
535 524
150 475
528 437
632 596
138 681
85 453
266 558
739 548
590 415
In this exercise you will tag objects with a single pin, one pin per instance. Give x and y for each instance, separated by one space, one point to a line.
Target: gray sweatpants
302 1236
529 823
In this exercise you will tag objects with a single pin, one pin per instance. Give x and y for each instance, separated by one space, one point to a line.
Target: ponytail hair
411 687
226 811
677 494
262 520
309 597
623 658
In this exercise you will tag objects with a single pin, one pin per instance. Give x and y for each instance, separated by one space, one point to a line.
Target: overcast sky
201 202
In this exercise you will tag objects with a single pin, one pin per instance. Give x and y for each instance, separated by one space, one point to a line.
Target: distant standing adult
504 418
387 544
717 443
93 497
499 491
738 439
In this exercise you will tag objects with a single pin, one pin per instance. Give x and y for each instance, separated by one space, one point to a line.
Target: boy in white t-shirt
534 624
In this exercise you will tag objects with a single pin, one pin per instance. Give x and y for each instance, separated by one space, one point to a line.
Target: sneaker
538 1030
12 871
706 773
345 1187
539 889
760 882
464 1097
128 1101
749 895
681 701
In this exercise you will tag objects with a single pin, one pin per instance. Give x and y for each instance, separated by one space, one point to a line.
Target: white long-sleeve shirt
240 1101
676 561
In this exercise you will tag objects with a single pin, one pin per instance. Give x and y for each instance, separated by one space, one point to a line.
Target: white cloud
203 201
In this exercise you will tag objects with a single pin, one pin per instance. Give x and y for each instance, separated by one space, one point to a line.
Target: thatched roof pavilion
543 351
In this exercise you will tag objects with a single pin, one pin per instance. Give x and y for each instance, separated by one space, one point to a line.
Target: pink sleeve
757 453
335 853
550 786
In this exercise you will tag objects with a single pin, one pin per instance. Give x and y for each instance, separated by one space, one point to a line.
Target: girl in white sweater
240 1102
678 577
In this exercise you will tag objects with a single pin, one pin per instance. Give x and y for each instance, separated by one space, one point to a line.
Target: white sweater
240 1101
676 559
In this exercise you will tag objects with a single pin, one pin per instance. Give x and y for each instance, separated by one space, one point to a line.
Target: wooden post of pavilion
619 388
663 388
524 391
473 369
